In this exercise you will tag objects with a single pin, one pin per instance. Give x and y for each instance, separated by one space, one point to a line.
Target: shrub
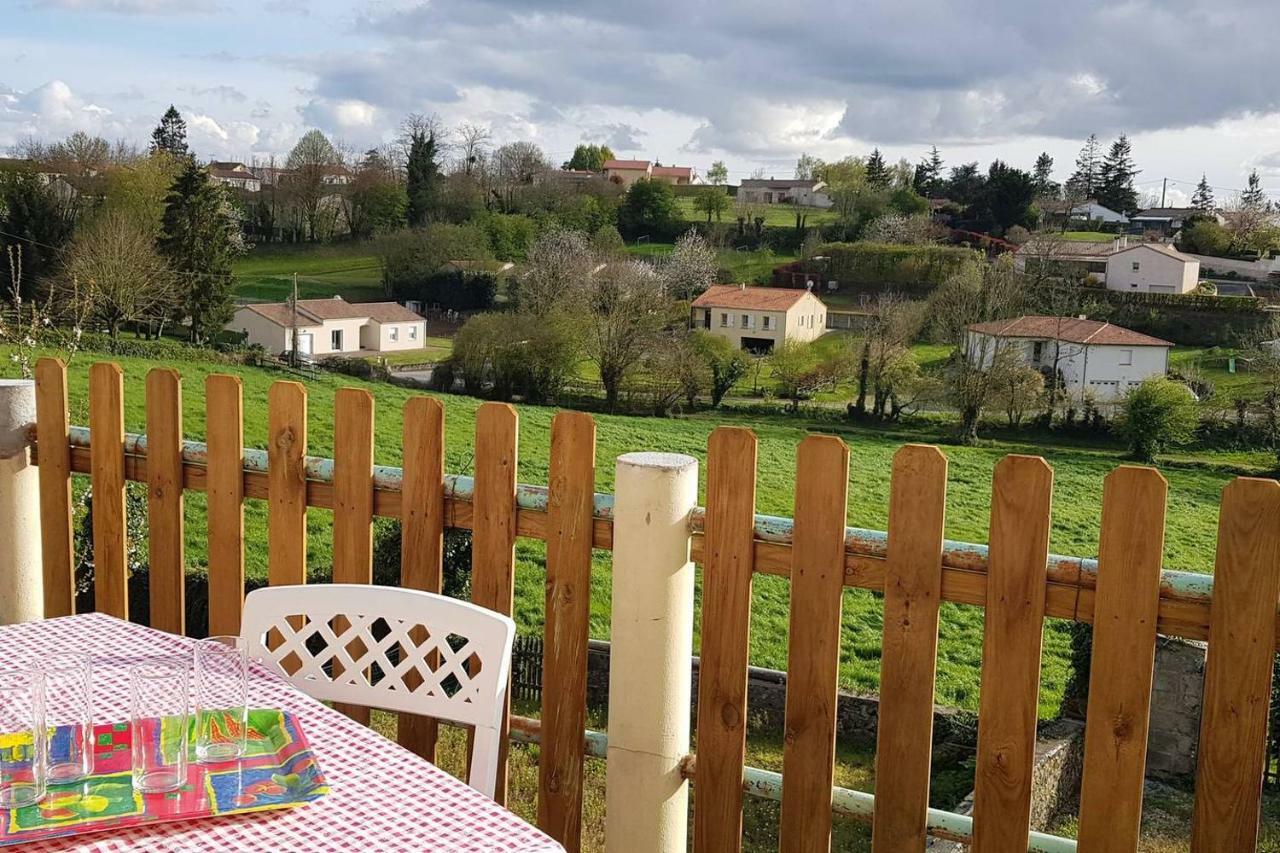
650 209
1157 414
898 267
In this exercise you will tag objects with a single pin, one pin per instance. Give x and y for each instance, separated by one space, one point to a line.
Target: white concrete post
647 800
21 574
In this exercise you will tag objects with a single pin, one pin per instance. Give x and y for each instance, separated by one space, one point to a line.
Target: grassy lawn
1194 489
436 349
1086 236
346 270
774 214
1212 363
737 266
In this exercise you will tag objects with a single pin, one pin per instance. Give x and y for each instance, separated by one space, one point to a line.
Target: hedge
884 265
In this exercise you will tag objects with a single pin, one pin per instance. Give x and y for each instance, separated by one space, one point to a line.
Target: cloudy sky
752 82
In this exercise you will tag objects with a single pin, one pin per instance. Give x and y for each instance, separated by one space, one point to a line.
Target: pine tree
1084 181
928 177
1115 180
877 173
1042 175
422 177
200 237
1202 199
1253 198
170 135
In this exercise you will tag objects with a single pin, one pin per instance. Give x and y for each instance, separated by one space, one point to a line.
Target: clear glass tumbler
22 738
68 709
159 725
222 699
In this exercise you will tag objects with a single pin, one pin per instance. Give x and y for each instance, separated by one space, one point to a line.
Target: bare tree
555 276
473 144
514 166
624 312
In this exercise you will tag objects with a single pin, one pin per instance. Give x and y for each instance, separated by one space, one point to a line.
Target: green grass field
1086 236
738 266
1195 484
774 214
347 270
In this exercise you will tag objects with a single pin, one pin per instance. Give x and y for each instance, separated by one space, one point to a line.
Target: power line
61 249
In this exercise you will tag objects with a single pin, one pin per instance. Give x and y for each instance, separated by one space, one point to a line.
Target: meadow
774 214
1194 487
266 273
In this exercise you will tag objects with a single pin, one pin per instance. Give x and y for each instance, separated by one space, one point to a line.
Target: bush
510 234
897 267
1157 414
650 209
412 258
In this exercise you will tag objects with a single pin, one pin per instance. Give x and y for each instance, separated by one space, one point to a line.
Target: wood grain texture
54 449
494 531
1237 670
813 649
106 426
1130 552
912 594
1013 628
726 619
166 573
422 538
570 502
352 508
224 432
286 483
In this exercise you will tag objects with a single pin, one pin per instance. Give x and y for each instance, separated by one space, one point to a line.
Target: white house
809 193
236 175
1152 268
331 327
1094 212
1089 355
759 318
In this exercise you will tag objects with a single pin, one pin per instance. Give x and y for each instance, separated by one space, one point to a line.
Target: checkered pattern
382 797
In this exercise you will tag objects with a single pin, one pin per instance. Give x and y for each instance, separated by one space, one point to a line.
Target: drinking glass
222 699
22 738
158 725
68 715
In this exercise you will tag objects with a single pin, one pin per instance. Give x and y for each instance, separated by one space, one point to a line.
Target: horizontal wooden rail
1184 596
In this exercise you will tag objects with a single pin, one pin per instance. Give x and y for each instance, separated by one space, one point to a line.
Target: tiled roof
1069 329
1164 248
752 298
642 165
673 171
319 310
390 312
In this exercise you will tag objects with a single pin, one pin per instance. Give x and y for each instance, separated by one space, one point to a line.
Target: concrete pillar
21 578
647 802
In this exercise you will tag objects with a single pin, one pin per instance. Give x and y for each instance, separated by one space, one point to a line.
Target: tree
1157 414
718 174
877 173
808 167
1202 198
622 316
1085 179
928 177
200 237
310 162
725 363
1253 197
589 158
114 259
892 324
965 183
649 208
422 175
1115 178
711 201
607 244
140 189
1016 389
473 142
1006 199
1206 237
559 262
170 135
1042 176
515 165
35 221
801 370
691 268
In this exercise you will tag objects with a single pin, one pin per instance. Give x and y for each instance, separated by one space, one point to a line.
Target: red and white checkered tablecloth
381 796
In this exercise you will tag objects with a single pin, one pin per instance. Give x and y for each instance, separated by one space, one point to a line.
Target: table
382 797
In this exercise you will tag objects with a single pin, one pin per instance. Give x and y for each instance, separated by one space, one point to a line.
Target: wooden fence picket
494 531
1237 669
421 538
54 452
166 572
570 509
813 649
110 545
224 483
1130 553
352 509
728 556
1013 628
286 483
912 594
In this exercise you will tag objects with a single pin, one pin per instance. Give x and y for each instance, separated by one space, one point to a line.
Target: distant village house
770 191
759 318
627 172
331 327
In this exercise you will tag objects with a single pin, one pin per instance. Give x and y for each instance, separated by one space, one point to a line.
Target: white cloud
135 7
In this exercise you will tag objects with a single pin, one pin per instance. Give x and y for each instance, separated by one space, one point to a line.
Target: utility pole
1164 185
293 325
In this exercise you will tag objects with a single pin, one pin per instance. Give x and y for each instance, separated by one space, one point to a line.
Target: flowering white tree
691 268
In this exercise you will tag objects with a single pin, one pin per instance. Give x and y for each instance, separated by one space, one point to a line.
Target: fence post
647 802
21 579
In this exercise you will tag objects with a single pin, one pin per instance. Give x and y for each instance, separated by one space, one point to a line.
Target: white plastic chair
383 619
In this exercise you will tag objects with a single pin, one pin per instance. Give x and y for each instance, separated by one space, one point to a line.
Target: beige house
627 172
1152 268
759 318
331 327
236 175
806 193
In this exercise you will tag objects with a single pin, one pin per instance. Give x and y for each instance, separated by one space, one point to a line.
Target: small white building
1091 211
1152 268
759 318
807 193
1089 355
331 327
236 175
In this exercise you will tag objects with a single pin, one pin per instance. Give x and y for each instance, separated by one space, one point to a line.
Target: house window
1037 351
335 340
724 320
746 321
767 323
1126 357
394 333
413 333
1136 266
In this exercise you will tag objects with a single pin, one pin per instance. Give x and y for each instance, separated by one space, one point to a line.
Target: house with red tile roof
331 327
627 172
759 318
1089 357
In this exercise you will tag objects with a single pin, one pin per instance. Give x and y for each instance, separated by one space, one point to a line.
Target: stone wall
1177 692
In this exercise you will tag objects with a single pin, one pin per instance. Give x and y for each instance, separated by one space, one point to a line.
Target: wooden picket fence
1016 580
